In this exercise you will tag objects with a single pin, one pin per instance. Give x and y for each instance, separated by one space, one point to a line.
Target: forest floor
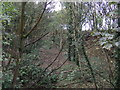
49 55
97 58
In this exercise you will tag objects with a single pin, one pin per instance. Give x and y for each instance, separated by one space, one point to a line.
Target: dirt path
48 56
95 54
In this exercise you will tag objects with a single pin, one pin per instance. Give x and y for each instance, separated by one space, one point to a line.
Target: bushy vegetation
75 47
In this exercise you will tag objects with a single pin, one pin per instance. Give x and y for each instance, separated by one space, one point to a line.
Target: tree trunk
20 45
117 83
70 31
89 64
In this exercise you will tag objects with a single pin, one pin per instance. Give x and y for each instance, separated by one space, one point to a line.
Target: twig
36 40
55 58
58 67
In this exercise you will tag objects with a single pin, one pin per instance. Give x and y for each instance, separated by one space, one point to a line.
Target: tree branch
39 19
36 40
58 67
55 58
49 65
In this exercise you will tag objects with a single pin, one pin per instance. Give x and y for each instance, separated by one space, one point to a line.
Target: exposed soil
93 50
49 55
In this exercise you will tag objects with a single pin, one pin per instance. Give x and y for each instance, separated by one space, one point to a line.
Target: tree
117 83
20 44
20 35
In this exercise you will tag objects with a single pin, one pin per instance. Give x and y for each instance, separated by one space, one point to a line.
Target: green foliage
7 79
112 3
8 13
28 74
73 15
72 74
32 73
49 81
47 43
